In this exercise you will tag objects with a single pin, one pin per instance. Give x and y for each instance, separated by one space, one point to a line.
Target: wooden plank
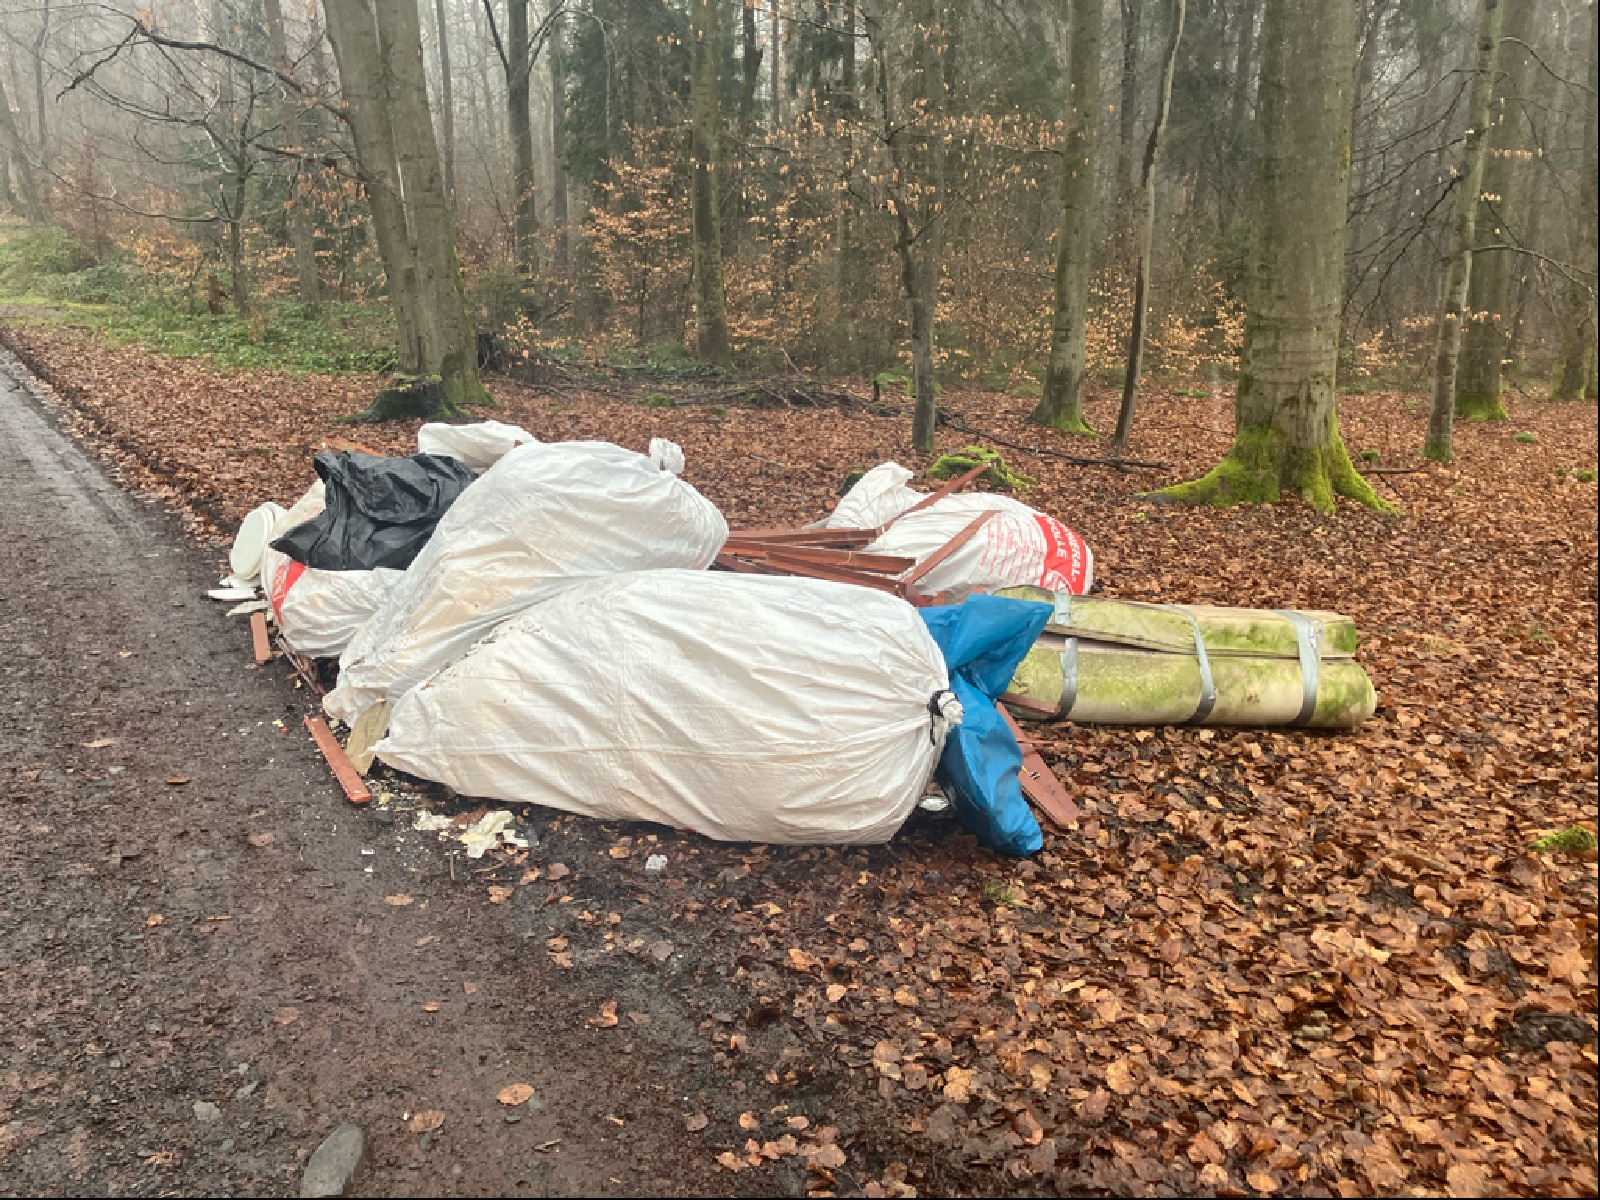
355 788
258 637
846 538
949 548
1016 700
856 560
1039 782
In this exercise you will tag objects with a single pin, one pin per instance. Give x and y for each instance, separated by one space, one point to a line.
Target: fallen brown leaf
514 1094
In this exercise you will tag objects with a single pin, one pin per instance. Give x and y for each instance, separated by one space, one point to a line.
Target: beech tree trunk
1128 99
1486 339
378 47
777 64
1061 406
447 107
1286 437
27 188
302 221
1576 376
749 65
1464 229
1147 233
711 310
558 171
916 195
519 95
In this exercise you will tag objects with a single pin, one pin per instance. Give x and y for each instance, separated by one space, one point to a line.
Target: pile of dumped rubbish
571 624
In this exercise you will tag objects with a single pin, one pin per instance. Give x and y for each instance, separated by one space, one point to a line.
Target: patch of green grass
657 400
1370 456
1585 476
1574 839
1028 389
1411 405
290 337
1526 438
718 410
1538 634
1000 894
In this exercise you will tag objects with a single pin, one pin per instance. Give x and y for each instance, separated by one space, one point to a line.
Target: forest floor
1267 961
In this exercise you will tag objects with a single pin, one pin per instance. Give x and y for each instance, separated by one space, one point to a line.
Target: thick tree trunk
447 106
1147 234
302 222
1500 221
378 46
33 206
1464 223
711 311
519 95
1061 406
1286 428
1576 375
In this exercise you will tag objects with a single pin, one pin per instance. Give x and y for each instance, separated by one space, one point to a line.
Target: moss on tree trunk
1264 465
1481 406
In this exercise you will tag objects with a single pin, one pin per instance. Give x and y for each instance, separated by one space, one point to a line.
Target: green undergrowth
1574 839
47 275
289 337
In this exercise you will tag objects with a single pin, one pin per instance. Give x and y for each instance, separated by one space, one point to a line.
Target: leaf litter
1265 961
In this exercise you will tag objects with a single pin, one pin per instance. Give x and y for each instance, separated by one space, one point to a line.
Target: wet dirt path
199 976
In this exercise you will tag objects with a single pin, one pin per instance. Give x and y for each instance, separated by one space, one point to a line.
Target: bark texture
1286 428
1486 339
1464 227
447 108
1147 234
378 47
15 150
302 222
1578 325
711 309
1061 406
519 95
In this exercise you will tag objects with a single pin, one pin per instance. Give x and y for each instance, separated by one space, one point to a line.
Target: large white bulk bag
318 612
545 515
1020 546
747 708
479 444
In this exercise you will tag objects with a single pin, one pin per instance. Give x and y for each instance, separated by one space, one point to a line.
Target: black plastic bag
380 513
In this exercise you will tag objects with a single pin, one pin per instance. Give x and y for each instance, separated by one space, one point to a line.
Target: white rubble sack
744 707
545 515
1019 546
318 612
480 444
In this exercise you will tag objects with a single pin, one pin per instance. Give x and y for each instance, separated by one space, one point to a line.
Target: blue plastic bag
982 641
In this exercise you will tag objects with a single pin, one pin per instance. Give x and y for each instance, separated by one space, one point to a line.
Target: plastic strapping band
1069 677
1208 686
1308 639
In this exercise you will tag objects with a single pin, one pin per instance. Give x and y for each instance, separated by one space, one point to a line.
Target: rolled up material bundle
1122 662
